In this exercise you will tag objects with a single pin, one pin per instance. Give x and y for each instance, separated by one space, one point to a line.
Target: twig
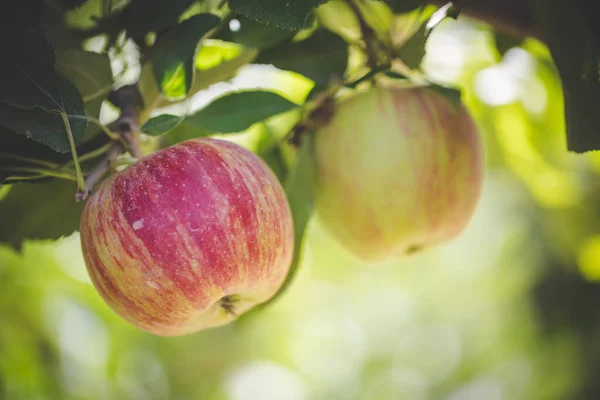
42 171
221 4
513 17
80 181
99 170
92 154
118 162
367 33
108 132
42 163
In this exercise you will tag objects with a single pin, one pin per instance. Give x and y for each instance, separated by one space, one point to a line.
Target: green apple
397 170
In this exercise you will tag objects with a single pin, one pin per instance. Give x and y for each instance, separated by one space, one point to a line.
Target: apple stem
99 170
227 304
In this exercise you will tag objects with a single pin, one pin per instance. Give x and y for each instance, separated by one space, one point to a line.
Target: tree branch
513 17
129 100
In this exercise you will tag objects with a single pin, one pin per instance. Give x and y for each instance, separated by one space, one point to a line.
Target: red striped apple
398 169
189 237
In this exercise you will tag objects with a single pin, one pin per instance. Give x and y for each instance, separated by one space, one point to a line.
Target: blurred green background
506 311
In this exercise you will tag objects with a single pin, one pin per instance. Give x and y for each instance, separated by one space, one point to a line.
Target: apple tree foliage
58 71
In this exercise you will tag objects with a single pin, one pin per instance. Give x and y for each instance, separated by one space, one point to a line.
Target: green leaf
4 189
276 161
39 211
174 55
319 57
299 191
254 34
289 14
575 52
91 74
161 124
216 52
203 78
28 64
222 72
269 147
237 111
48 127
88 16
413 50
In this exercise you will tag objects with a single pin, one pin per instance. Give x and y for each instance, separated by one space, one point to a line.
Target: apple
398 169
189 237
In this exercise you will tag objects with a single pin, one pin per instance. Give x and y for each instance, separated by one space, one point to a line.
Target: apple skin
397 170
189 237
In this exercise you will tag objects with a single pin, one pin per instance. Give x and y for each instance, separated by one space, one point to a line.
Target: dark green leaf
143 16
39 211
319 57
237 111
575 51
19 155
413 51
137 18
174 55
403 6
162 124
289 14
90 15
48 127
18 151
91 74
28 64
58 33
254 34
69 4
505 42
